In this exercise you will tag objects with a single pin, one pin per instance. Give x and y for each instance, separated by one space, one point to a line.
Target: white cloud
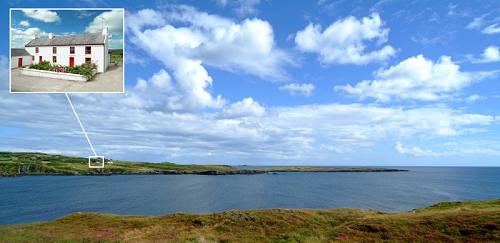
490 54
246 7
43 15
20 37
204 39
476 23
479 22
112 19
136 130
242 8
491 29
160 81
189 92
24 23
474 98
143 18
304 89
415 78
413 151
345 41
244 108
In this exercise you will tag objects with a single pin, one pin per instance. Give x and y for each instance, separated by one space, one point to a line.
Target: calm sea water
42 198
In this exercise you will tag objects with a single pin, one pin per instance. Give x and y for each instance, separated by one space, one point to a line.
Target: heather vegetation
444 222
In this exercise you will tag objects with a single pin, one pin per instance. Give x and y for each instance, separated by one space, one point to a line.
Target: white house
71 50
19 57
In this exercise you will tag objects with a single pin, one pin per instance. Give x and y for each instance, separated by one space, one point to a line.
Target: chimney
51 36
105 31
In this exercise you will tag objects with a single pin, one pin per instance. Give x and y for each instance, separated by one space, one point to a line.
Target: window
54 59
32 58
36 49
88 60
88 50
71 50
54 50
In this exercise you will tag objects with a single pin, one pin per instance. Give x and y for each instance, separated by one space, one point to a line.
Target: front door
71 61
40 59
20 62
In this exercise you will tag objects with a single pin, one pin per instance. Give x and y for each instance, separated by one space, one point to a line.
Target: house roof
66 40
18 52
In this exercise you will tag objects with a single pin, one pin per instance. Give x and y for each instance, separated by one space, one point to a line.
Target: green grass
41 164
12 164
445 222
116 55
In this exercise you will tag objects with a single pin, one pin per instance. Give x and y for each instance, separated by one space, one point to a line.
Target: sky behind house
29 23
266 83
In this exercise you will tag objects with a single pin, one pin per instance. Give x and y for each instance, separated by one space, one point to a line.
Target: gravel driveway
109 81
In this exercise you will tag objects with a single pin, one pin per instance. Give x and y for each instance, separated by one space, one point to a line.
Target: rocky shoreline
100 172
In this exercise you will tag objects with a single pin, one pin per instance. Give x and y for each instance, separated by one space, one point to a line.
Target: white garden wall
56 75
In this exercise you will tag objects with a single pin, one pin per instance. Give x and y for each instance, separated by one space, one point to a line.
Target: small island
27 163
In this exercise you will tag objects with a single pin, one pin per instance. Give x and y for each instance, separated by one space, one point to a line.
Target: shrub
88 73
87 69
44 65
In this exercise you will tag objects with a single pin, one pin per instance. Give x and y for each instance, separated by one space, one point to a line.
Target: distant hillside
12 164
16 164
443 222
115 51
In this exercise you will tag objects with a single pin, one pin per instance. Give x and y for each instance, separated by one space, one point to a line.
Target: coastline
40 164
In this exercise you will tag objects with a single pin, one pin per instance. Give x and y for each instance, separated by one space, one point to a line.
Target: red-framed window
71 50
36 49
54 50
32 58
54 59
88 60
88 50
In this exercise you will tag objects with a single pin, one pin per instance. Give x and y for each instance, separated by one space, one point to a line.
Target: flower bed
88 70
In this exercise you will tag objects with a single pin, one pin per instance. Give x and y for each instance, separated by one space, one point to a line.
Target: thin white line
81 125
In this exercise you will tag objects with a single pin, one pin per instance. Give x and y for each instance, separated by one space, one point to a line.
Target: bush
87 69
44 65
87 72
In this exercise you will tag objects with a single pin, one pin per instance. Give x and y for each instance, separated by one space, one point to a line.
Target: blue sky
262 82
30 23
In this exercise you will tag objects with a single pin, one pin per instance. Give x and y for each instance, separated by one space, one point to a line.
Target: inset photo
67 50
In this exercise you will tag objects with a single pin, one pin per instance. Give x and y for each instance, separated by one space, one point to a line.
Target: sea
29 199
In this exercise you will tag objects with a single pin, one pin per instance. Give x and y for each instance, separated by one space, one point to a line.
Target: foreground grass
444 222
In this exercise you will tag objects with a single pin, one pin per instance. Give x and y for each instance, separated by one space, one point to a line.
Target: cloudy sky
29 23
266 83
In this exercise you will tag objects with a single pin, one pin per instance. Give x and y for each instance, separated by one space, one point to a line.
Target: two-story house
71 50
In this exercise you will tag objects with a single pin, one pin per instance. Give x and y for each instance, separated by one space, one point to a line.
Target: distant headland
28 163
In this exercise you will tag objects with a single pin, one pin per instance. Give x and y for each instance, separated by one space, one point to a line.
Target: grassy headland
444 222
16 164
